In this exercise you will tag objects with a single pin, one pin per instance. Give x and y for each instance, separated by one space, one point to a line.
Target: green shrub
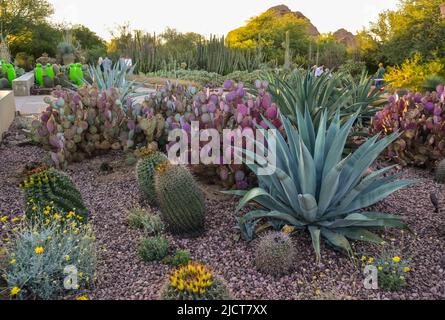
275 254
180 258
39 253
154 248
152 224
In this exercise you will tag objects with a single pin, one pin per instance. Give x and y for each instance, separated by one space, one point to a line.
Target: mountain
345 37
282 10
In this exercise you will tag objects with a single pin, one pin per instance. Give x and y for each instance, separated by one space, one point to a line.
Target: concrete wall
7 110
22 85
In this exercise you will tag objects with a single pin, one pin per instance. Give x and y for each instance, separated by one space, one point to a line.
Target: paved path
30 104
35 104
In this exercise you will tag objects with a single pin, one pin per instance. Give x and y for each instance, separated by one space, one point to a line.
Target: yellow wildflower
13 261
15 219
39 250
364 258
15 291
380 268
83 298
371 260
407 269
4 218
396 259
67 258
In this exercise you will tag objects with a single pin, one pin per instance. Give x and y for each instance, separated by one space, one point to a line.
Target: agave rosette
315 188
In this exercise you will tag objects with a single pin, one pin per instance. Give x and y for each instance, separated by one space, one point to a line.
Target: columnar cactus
145 170
52 188
181 201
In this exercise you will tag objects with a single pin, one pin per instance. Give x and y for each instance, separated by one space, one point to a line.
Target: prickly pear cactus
181 201
440 172
51 187
146 172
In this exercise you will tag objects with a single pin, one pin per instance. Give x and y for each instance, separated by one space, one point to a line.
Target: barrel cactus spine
181 200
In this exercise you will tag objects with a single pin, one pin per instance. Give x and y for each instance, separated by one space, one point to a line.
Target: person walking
99 63
380 76
106 64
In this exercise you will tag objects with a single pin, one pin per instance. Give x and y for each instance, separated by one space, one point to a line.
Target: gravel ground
122 274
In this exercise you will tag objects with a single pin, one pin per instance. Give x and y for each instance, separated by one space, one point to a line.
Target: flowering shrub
392 270
421 120
194 282
39 253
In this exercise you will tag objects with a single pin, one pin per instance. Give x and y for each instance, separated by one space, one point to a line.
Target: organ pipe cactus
181 200
313 188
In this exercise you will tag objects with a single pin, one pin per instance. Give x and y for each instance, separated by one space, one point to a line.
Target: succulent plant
180 258
154 248
421 119
314 188
50 187
275 254
79 125
194 282
440 172
146 173
181 200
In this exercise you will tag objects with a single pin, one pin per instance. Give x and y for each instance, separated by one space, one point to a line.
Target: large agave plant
298 90
118 77
315 188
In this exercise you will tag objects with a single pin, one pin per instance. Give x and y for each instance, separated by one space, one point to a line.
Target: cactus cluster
275 254
227 108
194 282
181 200
421 119
50 187
145 170
89 121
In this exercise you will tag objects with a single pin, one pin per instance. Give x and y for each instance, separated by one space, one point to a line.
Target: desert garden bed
121 274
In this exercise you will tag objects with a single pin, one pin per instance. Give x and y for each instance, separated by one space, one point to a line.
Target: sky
210 16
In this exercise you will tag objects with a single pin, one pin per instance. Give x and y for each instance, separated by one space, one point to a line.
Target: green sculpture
72 73
79 73
12 75
39 74
50 71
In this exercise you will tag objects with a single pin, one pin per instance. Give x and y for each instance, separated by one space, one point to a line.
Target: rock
281 10
345 37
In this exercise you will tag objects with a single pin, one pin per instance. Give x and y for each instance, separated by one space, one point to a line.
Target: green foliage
392 268
412 73
24 61
330 53
275 254
118 78
173 50
314 188
51 187
39 253
420 119
432 82
267 32
145 170
139 218
180 258
181 200
440 172
154 248
414 27
295 91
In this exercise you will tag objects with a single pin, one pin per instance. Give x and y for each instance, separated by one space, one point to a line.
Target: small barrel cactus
275 254
194 282
440 172
146 171
52 188
180 199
